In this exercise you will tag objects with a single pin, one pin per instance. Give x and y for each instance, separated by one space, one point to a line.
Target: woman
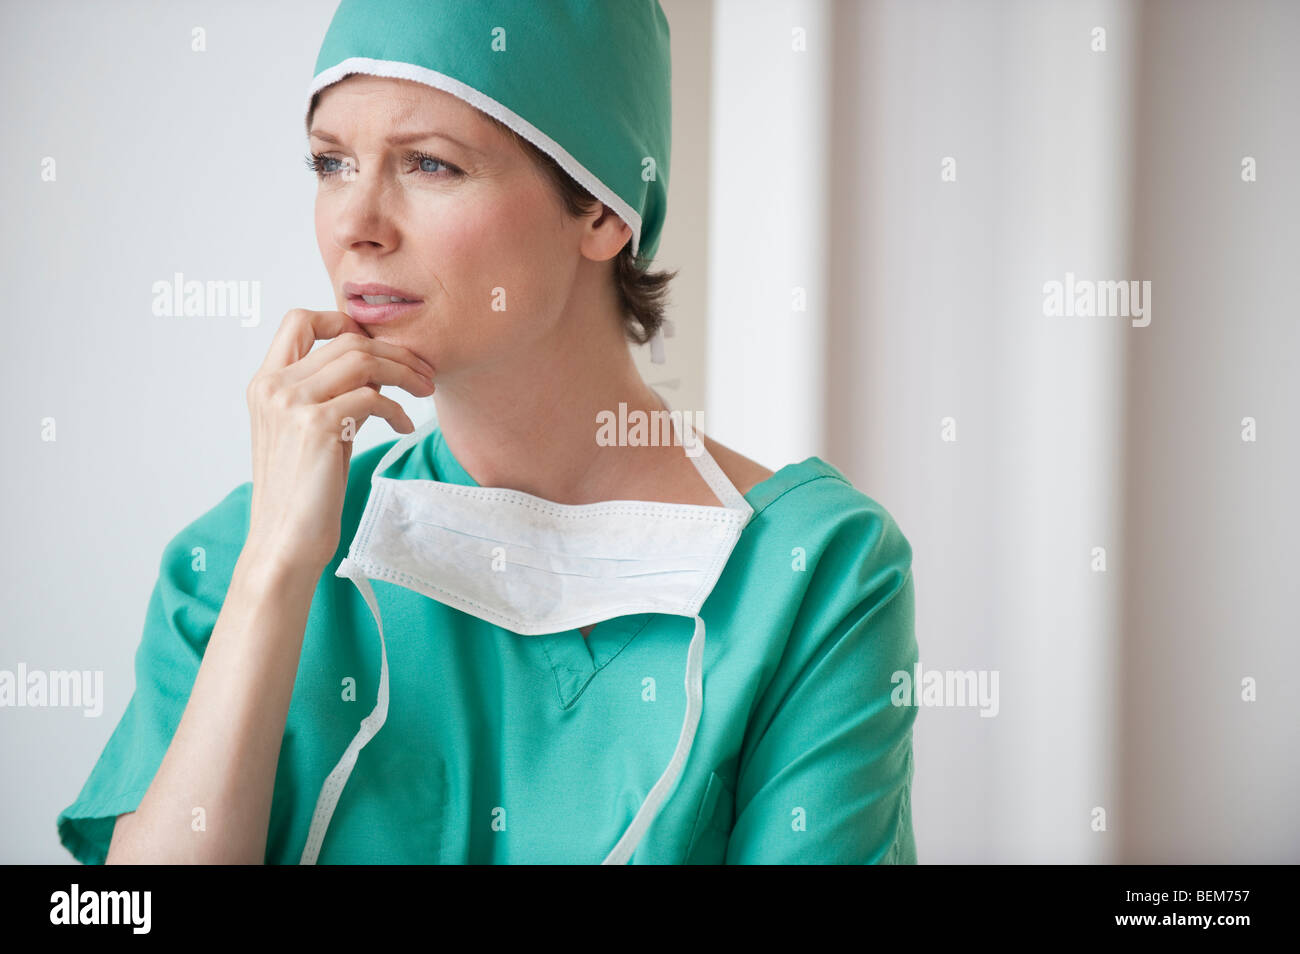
534 691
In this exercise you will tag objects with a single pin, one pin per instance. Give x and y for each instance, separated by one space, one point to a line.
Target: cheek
503 261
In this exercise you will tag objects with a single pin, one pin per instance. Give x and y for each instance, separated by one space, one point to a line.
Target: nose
363 215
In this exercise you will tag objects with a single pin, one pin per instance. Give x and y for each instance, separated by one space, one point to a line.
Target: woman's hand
305 408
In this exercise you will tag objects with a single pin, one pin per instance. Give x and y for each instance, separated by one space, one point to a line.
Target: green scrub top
508 749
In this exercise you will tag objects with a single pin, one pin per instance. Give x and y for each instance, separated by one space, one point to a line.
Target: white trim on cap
398 70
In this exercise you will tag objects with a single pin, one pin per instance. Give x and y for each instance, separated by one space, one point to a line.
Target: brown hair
642 293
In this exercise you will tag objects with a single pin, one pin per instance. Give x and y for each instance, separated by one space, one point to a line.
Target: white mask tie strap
694 704
370 726
665 330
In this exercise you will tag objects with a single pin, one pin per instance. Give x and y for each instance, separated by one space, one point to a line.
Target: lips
372 302
377 291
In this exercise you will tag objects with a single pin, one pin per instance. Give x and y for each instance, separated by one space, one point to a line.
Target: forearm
223 755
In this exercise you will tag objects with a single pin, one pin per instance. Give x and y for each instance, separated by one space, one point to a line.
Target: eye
324 166
327 167
429 165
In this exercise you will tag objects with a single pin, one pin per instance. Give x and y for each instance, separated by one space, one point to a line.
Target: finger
349 341
299 330
363 403
358 369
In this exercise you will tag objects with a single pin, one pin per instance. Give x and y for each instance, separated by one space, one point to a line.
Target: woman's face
422 193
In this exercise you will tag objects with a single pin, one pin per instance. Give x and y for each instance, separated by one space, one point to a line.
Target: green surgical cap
586 81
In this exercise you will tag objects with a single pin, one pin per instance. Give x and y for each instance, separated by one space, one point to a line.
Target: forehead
361 101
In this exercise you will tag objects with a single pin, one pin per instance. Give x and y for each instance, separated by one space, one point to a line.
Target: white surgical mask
536 567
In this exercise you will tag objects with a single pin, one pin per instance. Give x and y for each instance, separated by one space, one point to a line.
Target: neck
528 421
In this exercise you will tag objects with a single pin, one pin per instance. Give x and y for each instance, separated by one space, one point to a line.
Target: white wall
769 239
1210 574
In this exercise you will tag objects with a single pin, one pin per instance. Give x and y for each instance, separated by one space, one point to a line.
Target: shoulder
850 546
817 498
740 470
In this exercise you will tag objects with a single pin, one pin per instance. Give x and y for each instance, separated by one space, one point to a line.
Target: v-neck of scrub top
576 660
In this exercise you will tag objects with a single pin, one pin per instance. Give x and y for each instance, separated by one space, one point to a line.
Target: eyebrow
402 139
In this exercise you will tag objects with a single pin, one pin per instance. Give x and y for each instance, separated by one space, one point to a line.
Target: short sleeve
825 775
194 574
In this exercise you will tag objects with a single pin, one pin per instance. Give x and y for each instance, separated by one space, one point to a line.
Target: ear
605 236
